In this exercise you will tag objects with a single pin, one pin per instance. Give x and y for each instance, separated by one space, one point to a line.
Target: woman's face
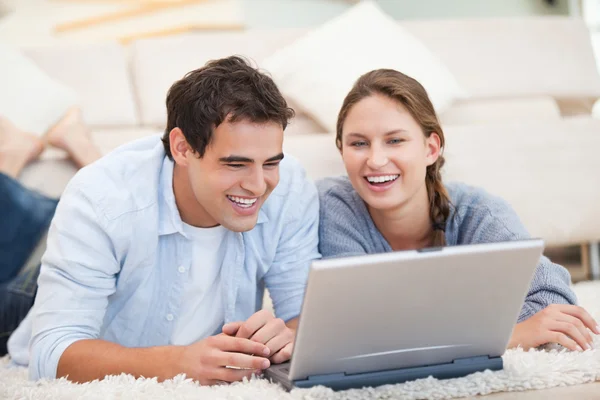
386 153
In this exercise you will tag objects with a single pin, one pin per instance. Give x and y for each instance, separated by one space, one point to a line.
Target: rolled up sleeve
77 276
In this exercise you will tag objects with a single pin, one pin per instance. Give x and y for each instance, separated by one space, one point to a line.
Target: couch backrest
159 62
500 57
100 76
492 58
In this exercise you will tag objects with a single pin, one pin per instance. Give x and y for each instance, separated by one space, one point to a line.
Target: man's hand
566 325
206 360
263 327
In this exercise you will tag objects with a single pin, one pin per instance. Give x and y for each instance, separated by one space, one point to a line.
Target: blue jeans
24 219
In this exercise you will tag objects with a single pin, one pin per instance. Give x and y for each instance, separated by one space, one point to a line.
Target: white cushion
158 62
477 111
29 98
518 56
547 170
98 74
319 69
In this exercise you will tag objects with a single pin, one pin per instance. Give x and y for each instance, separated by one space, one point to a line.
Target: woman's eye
358 144
395 141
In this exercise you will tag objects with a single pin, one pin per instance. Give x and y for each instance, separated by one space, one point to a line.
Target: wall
303 13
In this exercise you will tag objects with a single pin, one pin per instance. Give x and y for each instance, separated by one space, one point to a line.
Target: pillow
29 98
100 76
317 70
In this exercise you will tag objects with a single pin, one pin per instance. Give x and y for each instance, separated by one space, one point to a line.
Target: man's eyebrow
241 159
236 159
278 157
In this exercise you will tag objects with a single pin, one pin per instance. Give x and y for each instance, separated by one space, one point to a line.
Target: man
159 244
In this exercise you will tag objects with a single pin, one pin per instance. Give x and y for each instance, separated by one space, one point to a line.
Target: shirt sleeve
77 276
297 248
498 222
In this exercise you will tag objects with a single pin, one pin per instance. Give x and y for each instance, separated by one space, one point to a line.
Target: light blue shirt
111 269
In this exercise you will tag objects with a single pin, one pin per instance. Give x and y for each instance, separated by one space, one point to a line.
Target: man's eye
235 165
272 165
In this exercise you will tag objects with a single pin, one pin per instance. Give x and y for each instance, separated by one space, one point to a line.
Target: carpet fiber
535 369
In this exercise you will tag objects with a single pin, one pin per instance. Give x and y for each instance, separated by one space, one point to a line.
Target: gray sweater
346 229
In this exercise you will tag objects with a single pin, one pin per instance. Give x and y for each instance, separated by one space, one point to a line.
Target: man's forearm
86 360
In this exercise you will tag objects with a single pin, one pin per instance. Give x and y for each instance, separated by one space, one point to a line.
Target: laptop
388 318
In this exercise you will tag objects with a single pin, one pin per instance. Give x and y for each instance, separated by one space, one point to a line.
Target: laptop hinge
471 359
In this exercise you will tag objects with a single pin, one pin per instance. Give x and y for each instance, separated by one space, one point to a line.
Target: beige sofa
526 132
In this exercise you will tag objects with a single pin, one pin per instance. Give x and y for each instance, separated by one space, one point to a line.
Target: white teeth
242 202
380 179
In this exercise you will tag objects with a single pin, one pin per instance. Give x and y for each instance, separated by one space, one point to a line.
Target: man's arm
104 358
206 361
286 278
298 246
77 277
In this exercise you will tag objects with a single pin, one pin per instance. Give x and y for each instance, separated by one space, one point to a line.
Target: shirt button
181 269
169 317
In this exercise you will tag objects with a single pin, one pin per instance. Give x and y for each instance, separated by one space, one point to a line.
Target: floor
580 392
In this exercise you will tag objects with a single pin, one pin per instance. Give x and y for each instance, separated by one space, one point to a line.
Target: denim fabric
24 218
16 298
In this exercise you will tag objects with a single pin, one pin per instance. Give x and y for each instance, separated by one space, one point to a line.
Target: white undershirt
202 312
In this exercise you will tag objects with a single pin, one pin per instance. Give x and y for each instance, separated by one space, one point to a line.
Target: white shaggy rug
522 371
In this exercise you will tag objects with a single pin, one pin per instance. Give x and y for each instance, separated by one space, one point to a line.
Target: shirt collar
169 217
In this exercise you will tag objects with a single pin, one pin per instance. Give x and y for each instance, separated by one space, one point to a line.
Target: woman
25 215
393 199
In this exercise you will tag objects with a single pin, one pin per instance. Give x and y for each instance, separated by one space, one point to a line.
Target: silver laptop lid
412 308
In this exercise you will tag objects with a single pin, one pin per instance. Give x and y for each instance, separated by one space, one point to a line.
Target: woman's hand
564 324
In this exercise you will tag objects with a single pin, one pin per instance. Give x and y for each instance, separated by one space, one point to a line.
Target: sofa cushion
157 63
98 74
547 170
31 99
477 111
317 153
519 56
318 70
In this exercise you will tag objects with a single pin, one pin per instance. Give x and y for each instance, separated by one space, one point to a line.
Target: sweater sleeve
494 220
340 234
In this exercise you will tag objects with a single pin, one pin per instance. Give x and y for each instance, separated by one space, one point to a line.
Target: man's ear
434 148
180 149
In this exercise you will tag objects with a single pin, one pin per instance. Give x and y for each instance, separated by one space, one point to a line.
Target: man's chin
240 224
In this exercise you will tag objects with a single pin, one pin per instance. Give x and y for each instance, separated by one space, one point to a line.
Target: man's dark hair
228 89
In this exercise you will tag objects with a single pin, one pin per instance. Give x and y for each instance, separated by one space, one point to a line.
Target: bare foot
17 148
72 135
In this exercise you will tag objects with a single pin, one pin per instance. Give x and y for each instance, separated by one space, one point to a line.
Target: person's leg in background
25 215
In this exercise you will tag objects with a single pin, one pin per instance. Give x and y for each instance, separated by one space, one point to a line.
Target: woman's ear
434 148
179 146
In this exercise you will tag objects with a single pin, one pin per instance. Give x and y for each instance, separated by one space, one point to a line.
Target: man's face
229 184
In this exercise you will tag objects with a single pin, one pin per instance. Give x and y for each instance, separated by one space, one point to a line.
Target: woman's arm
549 313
